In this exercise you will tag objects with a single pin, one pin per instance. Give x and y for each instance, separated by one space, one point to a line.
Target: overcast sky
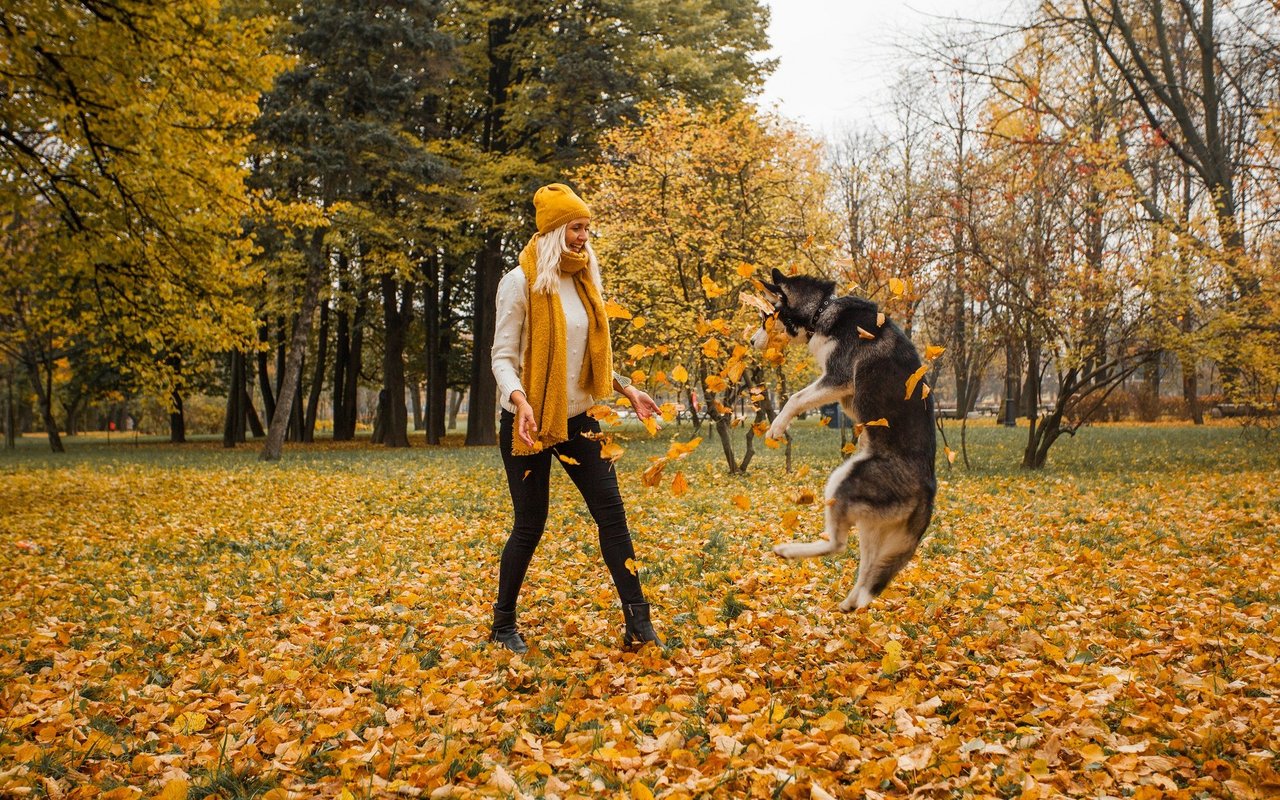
838 59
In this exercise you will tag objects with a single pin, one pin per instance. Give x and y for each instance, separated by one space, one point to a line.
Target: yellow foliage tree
690 205
123 138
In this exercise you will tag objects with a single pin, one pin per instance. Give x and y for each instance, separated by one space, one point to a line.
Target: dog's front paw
777 432
787 550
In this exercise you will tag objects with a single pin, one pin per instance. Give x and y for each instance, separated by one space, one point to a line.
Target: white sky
838 59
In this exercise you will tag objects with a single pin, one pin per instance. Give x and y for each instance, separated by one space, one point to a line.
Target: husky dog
887 486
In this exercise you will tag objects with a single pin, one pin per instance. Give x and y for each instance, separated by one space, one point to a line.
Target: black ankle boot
504 632
639 628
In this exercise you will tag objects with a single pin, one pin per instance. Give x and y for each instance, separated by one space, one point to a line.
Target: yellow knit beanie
555 204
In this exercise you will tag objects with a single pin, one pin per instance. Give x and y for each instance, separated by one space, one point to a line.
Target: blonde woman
552 359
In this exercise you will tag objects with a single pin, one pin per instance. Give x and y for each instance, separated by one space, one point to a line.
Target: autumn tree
123 137
692 204
537 87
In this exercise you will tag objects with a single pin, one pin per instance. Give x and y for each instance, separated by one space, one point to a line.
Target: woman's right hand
526 426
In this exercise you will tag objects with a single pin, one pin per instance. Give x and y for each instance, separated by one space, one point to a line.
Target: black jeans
529 479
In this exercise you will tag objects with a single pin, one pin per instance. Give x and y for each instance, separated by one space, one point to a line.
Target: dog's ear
772 294
778 277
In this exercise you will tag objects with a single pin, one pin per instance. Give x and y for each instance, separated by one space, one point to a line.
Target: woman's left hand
641 402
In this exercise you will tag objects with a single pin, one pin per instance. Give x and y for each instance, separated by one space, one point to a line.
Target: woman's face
576 234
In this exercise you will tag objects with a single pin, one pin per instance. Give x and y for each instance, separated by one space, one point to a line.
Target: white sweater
510 336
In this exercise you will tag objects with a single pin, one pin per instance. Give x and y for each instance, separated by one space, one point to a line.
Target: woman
552 359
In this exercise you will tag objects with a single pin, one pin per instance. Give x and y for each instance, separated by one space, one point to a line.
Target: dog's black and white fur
886 488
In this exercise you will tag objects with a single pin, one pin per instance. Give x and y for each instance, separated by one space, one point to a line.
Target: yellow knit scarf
546 384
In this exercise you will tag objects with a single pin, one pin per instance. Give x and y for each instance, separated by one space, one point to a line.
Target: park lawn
186 621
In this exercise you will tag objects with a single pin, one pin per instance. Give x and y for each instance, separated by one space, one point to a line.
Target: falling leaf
716 384
878 423
897 286
711 348
679 485
951 455
632 566
639 322
773 444
526 474
933 351
864 333
711 288
652 476
913 379
824 422
745 270
567 459
651 425
679 374
611 451
849 448
880 319
615 311
668 412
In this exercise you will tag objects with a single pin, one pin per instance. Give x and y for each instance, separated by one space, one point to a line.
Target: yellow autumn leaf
745 270
914 378
711 348
679 486
668 412
174 789
651 425
891 661
190 722
897 286
742 501
639 322
679 374
877 423
933 351
631 566
639 791
716 384
790 519
711 288
611 451
615 311
567 459
772 444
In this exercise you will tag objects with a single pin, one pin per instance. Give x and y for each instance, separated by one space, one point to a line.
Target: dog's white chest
821 346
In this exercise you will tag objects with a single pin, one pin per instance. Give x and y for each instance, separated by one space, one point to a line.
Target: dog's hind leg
839 518
885 547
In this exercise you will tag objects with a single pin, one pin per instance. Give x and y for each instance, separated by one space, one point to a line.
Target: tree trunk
264 375
439 341
10 415
233 423
455 405
1191 390
482 408
177 421
317 379
355 362
297 347
44 398
726 440
415 403
251 417
396 319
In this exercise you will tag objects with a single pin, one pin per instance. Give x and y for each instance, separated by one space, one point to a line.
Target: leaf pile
192 624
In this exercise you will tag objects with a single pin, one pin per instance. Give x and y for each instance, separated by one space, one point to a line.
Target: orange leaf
567 459
865 334
933 351
616 311
679 374
679 485
914 379
742 501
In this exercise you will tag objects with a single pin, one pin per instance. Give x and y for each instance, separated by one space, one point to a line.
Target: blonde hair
550 246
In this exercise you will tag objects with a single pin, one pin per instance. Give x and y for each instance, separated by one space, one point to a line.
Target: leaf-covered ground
184 621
